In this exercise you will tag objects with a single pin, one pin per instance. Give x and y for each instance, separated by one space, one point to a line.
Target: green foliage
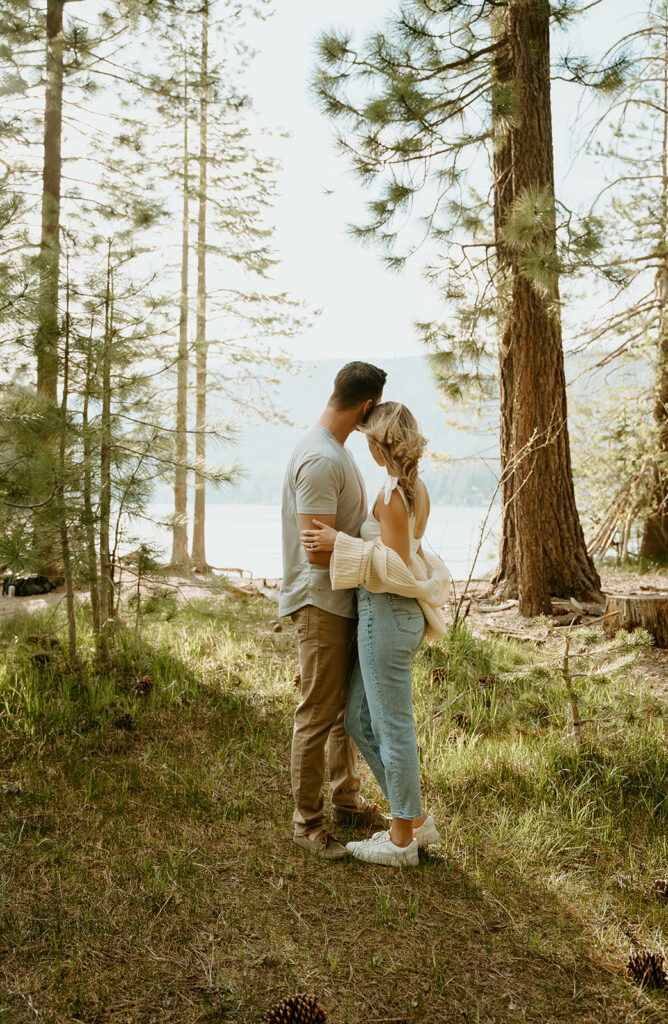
624 481
20 550
421 106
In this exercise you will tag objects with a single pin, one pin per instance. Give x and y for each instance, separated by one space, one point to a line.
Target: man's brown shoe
366 815
322 844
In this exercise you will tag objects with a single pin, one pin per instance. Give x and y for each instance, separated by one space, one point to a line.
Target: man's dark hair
355 383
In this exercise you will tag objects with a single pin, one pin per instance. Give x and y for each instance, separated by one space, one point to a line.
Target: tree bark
46 340
654 543
199 545
180 524
62 500
505 585
543 550
106 588
630 611
89 515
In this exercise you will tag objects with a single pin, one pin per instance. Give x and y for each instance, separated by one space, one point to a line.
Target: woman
397 587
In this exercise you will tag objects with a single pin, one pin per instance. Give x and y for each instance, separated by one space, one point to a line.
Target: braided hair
395 431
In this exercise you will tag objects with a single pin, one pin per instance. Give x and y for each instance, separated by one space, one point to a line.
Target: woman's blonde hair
394 429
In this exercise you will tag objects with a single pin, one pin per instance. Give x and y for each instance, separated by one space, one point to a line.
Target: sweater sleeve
380 569
350 560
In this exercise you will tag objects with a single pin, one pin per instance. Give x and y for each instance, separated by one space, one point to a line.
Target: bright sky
368 312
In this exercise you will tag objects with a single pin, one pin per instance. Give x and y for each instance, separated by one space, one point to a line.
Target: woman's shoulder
394 509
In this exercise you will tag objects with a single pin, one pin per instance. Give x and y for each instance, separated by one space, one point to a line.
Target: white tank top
370 528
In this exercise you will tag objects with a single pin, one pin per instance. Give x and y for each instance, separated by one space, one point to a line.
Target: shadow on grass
149 873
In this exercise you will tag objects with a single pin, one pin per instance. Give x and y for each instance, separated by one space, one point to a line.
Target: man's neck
339 422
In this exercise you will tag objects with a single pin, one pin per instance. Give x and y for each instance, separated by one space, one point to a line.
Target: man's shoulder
313 446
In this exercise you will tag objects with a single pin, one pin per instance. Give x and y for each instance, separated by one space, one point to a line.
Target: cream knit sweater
373 565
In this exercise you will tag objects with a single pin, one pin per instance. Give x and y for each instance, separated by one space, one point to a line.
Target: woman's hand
320 538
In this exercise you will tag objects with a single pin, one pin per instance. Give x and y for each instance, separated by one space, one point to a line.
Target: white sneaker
427 832
381 850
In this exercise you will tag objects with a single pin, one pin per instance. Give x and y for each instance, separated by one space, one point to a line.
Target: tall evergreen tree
199 535
422 103
634 208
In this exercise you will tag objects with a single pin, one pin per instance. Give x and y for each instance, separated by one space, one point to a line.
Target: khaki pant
327 656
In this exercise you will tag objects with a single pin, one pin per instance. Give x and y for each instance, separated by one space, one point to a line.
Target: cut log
629 611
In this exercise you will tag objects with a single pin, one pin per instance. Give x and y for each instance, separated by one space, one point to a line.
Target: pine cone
661 887
647 969
298 1009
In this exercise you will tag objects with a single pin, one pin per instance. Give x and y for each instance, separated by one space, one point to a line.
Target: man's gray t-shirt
322 478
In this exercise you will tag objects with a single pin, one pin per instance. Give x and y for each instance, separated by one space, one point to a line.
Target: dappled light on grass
149 873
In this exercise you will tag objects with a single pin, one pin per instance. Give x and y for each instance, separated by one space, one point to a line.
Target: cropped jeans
379 712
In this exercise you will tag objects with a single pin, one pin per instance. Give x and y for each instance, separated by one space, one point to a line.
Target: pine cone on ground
298 1009
661 887
647 969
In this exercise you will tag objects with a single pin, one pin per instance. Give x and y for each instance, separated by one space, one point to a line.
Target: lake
249 536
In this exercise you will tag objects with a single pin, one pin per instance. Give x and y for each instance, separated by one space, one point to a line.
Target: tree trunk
543 549
46 340
199 547
87 491
180 524
630 611
62 501
106 592
505 586
655 532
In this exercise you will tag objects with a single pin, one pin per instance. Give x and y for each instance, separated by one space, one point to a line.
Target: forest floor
147 872
503 620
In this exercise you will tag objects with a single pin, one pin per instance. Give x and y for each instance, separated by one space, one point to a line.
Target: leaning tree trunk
543 550
199 545
654 543
46 339
180 523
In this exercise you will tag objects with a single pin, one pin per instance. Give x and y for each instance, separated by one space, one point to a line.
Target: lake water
249 537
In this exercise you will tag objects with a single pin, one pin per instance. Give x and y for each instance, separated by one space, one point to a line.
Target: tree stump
629 611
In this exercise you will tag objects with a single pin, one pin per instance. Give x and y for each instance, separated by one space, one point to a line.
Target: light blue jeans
379 712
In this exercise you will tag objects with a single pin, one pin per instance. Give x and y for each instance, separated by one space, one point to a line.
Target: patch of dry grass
148 873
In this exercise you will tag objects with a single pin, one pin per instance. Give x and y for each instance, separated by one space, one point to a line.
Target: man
323 481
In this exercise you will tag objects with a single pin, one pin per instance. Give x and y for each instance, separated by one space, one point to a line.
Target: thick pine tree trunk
199 545
654 543
503 196
543 549
46 339
180 527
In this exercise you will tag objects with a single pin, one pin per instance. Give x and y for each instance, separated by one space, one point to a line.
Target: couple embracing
363 596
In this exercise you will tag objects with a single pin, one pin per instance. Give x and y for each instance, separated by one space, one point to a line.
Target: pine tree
198 554
180 525
634 209
421 105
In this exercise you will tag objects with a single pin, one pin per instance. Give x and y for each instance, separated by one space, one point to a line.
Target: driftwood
628 611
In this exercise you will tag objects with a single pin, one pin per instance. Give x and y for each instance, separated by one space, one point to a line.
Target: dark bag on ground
27 586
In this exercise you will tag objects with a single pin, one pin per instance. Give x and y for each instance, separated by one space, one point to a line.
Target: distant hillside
263 448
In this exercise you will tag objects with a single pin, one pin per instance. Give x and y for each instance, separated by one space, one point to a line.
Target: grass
148 874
